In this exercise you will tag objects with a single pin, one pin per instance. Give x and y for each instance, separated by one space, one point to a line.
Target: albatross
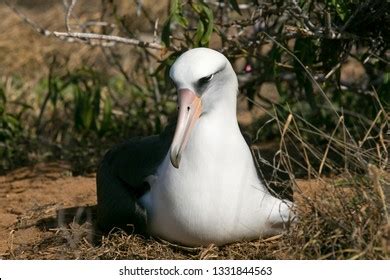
196 183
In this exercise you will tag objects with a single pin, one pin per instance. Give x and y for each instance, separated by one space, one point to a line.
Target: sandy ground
34 200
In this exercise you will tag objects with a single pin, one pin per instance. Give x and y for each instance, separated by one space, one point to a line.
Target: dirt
33 197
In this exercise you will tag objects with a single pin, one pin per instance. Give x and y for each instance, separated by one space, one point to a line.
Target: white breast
215 196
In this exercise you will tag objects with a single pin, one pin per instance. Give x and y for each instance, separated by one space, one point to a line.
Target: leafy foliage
11 133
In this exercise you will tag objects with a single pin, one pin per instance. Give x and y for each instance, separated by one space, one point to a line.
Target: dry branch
84 37
92 38
69 10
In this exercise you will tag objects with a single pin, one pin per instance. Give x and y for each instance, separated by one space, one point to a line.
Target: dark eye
205 80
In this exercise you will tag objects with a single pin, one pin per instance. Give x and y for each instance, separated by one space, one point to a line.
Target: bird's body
214 195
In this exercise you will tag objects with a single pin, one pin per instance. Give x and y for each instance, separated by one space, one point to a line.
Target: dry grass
343 219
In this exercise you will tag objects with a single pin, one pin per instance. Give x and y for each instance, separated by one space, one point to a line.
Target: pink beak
190 108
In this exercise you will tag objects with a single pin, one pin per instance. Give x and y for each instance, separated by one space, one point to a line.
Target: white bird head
205 80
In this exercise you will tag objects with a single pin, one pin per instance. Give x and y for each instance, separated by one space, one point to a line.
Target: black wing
121 177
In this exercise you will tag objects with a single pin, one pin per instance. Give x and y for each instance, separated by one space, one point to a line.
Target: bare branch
88 38
155 30
106 38
332 71
69 9
297 12
299 32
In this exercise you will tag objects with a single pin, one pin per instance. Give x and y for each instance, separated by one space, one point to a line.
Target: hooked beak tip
175 159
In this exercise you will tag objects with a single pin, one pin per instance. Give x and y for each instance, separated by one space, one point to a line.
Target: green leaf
83 110
5 134
106 121
199 33
210 25
3 98
174 7
3 101
341 7
180 20
175 16
205 25
96 102
386 78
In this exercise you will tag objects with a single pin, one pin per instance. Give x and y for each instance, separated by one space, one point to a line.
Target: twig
282 135
299 32
355 13
328 23
297 12
155 30
69 9
157 94
88 38
328 145
139 7
106 38
181 247
370 128
332 71
113 60
304 145
374 174
311 30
